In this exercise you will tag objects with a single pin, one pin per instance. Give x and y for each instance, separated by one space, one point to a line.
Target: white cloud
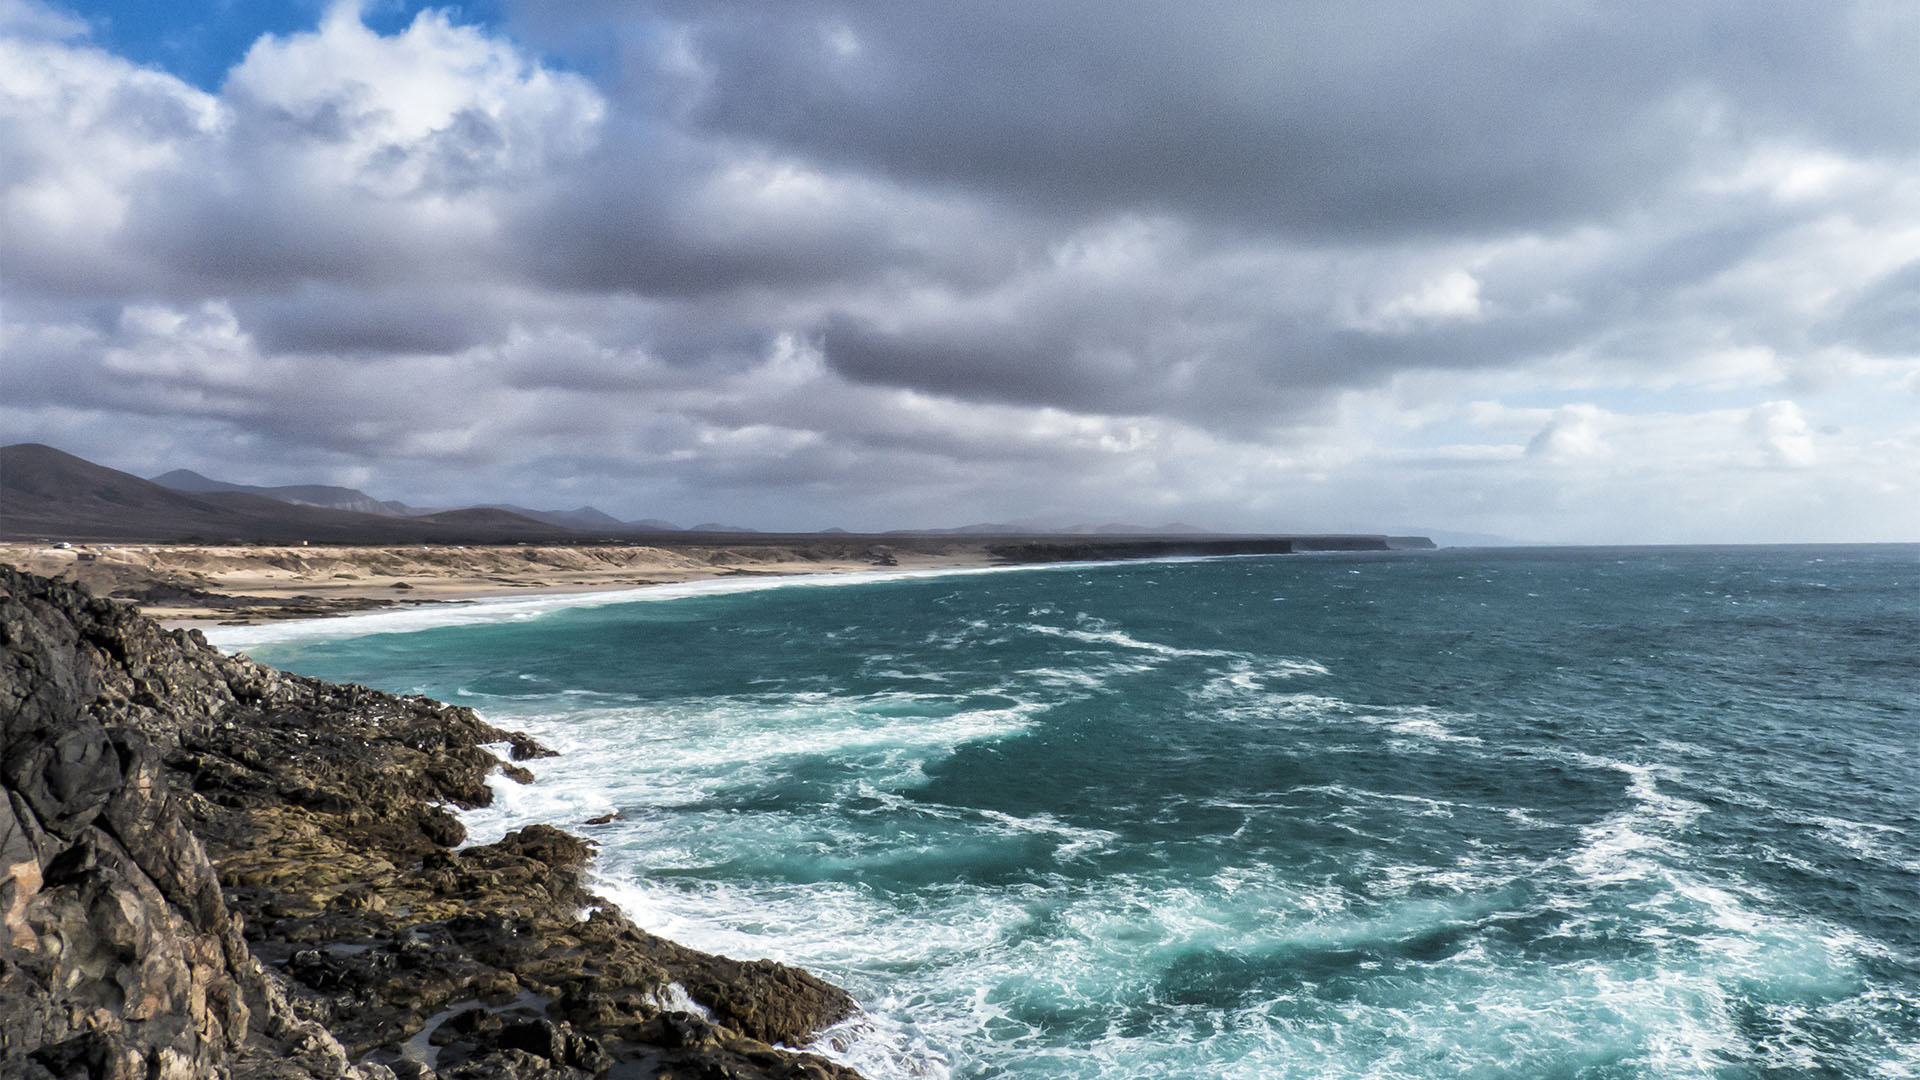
1575 433
1785 437
435 109
84 131
1452 295
430 261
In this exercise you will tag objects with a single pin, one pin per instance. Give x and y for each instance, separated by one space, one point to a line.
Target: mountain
982 529
47 493
486 517
193 483
324 495
52 493
585 518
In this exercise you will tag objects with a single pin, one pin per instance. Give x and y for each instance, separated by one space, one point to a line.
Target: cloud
1452 295
1362 120
854 264
1784 434
29 21
1884 317
1576 433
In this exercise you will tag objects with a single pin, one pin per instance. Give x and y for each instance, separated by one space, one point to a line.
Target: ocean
1584 813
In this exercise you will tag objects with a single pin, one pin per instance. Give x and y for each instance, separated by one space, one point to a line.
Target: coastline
187 586
286 893
204 585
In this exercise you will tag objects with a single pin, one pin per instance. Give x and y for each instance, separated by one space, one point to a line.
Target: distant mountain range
584 519
592 520
322 495
48 493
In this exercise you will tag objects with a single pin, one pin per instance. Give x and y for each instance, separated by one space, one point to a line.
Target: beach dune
190 583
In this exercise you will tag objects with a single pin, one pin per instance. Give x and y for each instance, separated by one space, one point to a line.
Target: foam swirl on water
1512 816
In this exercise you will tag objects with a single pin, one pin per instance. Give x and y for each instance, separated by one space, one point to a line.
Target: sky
1570 272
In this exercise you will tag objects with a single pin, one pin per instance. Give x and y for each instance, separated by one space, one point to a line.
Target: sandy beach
192 585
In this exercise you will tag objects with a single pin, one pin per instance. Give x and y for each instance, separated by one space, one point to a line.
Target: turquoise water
1595 813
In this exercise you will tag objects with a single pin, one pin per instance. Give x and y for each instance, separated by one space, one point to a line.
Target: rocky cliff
211 868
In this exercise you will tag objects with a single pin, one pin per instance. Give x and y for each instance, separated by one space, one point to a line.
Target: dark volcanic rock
120 957
175 594
208 867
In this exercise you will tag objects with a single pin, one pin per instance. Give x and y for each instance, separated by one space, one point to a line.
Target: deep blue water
1565 813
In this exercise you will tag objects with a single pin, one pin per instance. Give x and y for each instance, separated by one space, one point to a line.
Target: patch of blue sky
199 41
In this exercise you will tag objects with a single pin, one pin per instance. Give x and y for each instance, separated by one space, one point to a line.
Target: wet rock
524 748
514 1065
548 846
208 867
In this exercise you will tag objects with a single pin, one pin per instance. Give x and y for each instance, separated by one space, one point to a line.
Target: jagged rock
120 956
208 867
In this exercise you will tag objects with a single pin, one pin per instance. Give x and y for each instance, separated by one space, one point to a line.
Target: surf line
491 610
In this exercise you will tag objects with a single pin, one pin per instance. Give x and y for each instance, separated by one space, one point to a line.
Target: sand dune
170 580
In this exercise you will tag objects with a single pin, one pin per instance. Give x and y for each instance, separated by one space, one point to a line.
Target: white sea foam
1246 679
977 967
1714 941
1412 722
1122 640
674 998
1866 840
1428 728
993 942
877 1044
681 754
1085 678
1621 847
1428 807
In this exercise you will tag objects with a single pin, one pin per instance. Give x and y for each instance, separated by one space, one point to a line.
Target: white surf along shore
523 606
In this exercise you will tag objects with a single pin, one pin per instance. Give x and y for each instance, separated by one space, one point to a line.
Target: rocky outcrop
167 594
211 868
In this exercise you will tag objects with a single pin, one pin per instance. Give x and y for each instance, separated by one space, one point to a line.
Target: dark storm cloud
1023 363
1359 128
321 318
1365 119
662 212
1101 251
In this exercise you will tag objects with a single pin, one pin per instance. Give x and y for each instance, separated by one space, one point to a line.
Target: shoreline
285 874
198 586
205 585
